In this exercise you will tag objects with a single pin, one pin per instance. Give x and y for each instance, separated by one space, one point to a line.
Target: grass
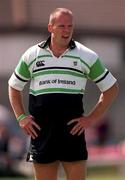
100 177
103 177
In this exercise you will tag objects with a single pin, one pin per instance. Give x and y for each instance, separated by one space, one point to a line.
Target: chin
66 41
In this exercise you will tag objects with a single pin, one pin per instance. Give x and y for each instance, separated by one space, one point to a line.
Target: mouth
65 37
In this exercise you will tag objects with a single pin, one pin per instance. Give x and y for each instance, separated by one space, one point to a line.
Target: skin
105 100
61 30
61 33
28 123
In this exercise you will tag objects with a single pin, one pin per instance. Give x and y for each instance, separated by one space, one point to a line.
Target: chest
50 63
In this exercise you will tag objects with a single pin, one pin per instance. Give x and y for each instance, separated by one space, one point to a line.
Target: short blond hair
61 11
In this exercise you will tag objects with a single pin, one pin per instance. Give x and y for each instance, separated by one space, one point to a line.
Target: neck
57 51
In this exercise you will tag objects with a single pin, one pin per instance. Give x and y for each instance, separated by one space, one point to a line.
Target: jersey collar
45 44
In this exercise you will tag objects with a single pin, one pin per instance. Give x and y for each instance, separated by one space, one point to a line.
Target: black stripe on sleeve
20 78
102 77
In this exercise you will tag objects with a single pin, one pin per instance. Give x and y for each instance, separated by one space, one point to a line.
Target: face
61 30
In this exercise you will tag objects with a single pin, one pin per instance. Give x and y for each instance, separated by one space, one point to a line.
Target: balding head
57 12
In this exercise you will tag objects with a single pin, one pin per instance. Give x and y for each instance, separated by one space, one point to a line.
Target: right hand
28 124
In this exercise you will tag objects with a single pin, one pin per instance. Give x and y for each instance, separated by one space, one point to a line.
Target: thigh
75 170
46 171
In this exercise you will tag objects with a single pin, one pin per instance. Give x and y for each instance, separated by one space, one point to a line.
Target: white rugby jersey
66 75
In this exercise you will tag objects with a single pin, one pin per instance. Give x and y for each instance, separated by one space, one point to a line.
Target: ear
50 28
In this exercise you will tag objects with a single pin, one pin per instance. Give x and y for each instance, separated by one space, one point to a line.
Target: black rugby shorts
56 143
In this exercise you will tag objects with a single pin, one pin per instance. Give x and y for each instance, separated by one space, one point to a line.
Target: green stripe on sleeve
96 70
22 69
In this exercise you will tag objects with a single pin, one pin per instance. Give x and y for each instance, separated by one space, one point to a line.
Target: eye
61 26
70 26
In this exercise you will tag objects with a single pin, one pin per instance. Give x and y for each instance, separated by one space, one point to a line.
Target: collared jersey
65 76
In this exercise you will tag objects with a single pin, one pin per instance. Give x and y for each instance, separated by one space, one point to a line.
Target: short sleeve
21 75
101 76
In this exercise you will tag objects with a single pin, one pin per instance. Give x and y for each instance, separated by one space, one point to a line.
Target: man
58 70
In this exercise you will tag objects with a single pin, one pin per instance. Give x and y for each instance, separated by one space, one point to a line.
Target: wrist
22 116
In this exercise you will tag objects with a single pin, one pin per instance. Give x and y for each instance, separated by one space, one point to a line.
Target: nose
67 29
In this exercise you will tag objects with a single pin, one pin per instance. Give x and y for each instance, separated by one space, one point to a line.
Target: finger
33 132
36 125
72 121
75 129
28 132
81 131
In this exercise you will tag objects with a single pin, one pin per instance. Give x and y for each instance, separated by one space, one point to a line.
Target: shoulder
31 50
86 54
83 49
31 53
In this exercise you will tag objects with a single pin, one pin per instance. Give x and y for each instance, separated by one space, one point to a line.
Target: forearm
103 104
27 123
16 102
105 100
99 110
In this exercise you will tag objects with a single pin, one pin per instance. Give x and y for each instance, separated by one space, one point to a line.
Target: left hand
80 125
